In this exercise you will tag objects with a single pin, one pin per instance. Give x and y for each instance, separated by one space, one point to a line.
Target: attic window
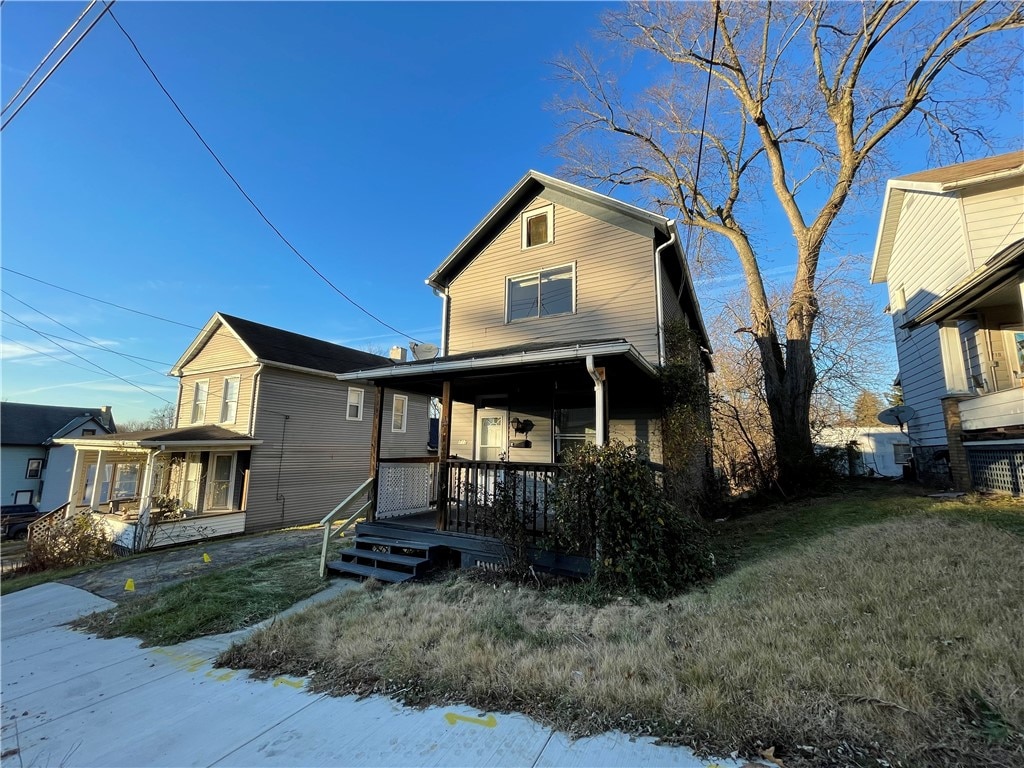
538 227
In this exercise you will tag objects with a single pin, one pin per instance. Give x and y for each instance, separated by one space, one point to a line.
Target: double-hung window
229 402
354 410
901 453
399 413
541 294
34 470
199 393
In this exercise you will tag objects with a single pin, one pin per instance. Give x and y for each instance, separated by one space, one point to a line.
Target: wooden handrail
48 518
328 521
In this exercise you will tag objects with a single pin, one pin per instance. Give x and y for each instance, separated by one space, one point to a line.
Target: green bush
610 506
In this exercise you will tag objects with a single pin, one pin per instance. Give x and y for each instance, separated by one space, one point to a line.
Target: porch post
145 503
76 474
378 425
444 445
97 482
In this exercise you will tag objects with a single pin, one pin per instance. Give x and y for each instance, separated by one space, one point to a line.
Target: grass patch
898 640
223 601
18 580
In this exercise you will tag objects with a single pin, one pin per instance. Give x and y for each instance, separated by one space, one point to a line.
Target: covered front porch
161 487
506 419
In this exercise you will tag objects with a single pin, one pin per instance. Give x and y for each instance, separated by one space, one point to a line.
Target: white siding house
951 250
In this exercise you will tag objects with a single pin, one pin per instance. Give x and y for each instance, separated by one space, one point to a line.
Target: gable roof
606 208
273 346
30 424
949 178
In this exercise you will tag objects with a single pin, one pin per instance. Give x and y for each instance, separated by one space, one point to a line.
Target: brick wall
958 465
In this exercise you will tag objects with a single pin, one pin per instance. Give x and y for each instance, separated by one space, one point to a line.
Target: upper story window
34 470
540 294
399 413
229 402
538 226
199 394
88 432
354 410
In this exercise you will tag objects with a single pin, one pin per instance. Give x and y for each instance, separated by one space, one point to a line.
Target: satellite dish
897 416
423 351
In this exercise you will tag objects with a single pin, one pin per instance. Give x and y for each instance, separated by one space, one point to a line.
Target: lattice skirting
999 469
403 488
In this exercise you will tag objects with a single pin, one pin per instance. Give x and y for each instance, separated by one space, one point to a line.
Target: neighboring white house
878 450
951 249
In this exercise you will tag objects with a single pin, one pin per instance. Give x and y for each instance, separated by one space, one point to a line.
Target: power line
90 344
245 194
55 66
46 58
90 362
47 354
101 301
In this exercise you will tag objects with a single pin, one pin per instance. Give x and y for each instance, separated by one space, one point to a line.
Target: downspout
255 399
445 298
657 287
599 416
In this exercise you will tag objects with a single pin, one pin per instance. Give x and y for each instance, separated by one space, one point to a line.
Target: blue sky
375 136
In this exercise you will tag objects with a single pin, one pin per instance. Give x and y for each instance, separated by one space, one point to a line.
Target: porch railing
50 519
474 488
362 493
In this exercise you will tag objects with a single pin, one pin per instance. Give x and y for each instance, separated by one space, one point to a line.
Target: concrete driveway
70 699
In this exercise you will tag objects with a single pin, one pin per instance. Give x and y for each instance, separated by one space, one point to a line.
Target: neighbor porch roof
202 436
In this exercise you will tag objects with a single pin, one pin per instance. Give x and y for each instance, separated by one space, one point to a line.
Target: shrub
505 517
609 505
78 540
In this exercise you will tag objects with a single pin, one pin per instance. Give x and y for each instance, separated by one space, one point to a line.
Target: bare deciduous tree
804 97
159 418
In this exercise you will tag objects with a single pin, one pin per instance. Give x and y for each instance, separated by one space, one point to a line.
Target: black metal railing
481 491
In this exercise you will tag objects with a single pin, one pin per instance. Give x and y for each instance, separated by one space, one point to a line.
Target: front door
491 434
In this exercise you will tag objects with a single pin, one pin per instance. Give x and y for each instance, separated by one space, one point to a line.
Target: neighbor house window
34 470
199 393
229 404
901 453
88 432
221 481
355 404
126 481
538 226
541 294
399 413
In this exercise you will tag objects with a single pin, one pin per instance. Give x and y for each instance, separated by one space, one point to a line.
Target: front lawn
867 625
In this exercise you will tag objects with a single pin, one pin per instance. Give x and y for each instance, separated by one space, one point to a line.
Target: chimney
398 354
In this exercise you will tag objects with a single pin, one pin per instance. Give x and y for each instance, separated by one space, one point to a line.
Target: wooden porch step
388 542
381 574
383 557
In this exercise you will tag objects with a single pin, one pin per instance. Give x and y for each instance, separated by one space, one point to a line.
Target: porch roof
425 376
990 278
201 436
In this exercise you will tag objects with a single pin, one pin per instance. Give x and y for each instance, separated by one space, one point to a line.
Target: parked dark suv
14 520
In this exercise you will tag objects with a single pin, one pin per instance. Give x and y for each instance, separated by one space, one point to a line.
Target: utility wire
46 58
55 66
47 354
245 194
700 141
68 327
101 348
90 362
101 301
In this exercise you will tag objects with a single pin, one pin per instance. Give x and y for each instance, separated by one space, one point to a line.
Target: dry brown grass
902 639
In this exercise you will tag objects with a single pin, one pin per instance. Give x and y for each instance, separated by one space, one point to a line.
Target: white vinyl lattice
403 488
997 469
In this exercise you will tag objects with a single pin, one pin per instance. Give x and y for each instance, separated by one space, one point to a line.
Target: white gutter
515 358
657 290
598 400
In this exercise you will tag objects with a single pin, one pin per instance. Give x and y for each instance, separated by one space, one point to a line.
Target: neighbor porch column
76 477
146 492
444 445
378 426
97 482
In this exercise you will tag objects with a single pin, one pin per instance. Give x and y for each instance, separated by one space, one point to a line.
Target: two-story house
265 437
554 315
34 469
951 249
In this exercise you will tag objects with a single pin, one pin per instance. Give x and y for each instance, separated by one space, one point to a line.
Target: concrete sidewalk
71 699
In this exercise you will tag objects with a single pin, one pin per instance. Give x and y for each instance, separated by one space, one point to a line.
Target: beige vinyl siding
215 396
311 457
615 287
994 214
222 350
463 430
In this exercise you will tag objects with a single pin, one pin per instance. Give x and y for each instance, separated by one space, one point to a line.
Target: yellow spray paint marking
189 662
129 586
223 677
287 681
207 558
487 722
